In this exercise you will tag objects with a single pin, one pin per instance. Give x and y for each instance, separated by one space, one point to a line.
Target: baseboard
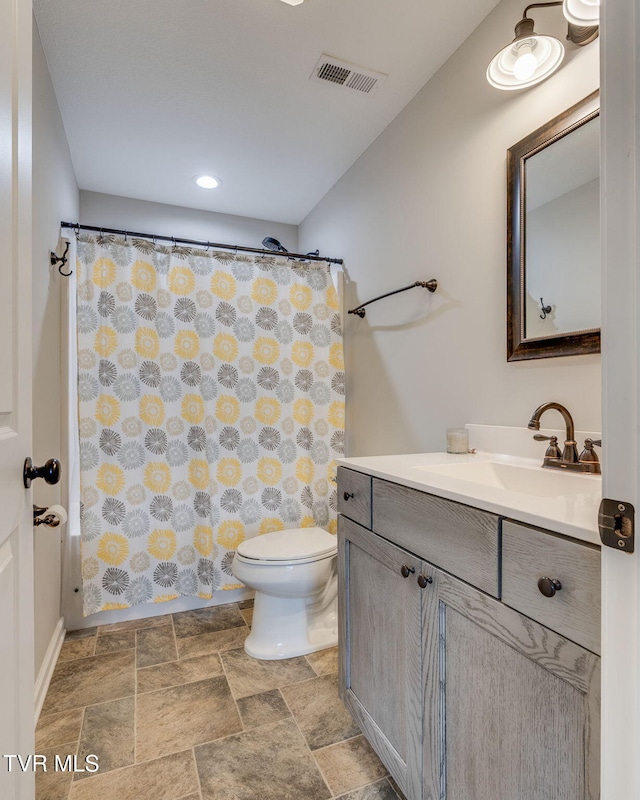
48 665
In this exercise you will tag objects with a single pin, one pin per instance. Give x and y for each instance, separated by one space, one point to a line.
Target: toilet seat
297 546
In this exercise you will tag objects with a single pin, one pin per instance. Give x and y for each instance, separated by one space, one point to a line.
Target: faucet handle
589 455
553 451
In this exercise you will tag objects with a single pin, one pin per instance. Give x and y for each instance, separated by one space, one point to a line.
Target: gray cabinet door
380 661
512 709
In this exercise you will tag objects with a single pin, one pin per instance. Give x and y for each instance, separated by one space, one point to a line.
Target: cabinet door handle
549 586
405 571
347 495
423 580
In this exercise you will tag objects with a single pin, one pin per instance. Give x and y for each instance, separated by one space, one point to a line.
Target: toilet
294 574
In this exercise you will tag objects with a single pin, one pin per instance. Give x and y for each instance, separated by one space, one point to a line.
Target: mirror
553 237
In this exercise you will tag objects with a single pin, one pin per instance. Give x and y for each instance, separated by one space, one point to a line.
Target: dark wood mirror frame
569 344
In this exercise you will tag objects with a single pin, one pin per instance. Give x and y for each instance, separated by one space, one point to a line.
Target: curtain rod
77 227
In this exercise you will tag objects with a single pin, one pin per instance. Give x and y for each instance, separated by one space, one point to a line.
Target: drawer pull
405 571
423 580
549 586
347 495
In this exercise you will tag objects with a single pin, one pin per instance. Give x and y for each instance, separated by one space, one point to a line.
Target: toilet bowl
294 574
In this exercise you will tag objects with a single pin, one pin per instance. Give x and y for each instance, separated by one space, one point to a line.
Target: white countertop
571 512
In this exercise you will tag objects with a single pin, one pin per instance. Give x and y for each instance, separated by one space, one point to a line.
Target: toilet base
290 627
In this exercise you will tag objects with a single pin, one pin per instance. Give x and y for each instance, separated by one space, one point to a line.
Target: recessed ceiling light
293 2
207 181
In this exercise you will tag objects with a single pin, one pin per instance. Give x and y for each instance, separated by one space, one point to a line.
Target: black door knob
347 495
549 586
50 472
405 571
423 580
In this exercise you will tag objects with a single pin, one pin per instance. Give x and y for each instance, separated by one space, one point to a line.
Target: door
518 712
16 530
380 663
620 153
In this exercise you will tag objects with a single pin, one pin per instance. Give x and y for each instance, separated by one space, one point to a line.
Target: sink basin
516 478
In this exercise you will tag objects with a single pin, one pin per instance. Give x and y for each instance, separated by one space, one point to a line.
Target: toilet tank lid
289 545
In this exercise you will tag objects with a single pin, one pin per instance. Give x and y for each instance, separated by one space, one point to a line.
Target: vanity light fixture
582 12
293 2
531 57
207 182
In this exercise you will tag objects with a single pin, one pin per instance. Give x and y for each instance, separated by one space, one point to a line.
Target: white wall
428 199
55 196
124 213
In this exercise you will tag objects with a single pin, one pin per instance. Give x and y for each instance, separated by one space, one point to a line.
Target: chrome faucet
569 459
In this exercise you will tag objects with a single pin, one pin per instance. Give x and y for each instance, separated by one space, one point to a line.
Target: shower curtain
211 409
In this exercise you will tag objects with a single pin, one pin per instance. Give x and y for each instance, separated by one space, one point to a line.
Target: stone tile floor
175 710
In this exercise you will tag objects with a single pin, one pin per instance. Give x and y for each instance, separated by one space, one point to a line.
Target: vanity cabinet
517 716
457 538
462 696
574 610
354 496
380 648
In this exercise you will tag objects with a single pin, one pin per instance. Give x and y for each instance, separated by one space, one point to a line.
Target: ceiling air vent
349 76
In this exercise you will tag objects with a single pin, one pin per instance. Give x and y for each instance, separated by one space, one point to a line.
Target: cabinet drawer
529 554
354 496
455 537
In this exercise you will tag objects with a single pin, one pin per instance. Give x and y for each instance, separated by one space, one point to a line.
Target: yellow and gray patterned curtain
211 405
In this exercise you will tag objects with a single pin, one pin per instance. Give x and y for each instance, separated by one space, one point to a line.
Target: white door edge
620 38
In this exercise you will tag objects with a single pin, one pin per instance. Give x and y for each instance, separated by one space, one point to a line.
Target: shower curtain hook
77 230
207 247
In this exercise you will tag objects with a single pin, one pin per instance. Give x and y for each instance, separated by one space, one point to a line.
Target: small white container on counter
457 440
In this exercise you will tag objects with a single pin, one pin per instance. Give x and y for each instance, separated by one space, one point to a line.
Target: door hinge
616 524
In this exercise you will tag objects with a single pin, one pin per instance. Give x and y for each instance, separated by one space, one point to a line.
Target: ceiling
153 93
